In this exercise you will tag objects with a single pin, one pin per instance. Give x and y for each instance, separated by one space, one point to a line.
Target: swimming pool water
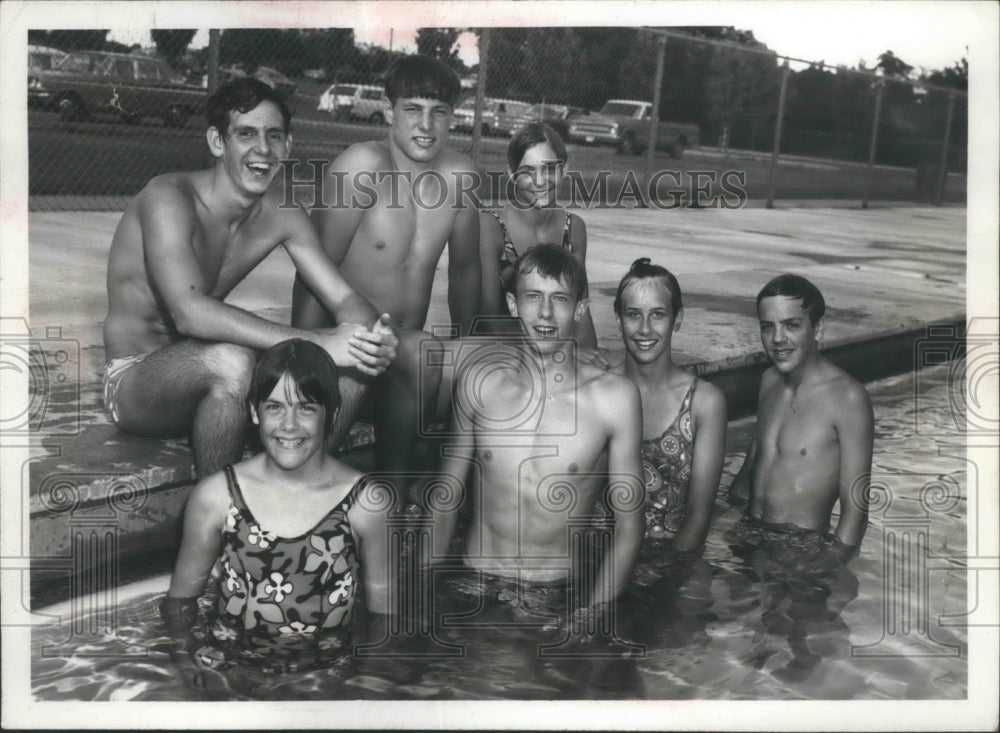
726 625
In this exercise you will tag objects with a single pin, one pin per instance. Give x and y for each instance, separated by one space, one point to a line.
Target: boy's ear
216 141
678 318
582 306
819 329
253 415
512 304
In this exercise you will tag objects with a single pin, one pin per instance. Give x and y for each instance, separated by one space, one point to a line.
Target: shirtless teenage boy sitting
546 435
815 425
398 201
179 359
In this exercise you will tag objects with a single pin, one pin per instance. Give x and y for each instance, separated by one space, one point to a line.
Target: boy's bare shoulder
371 155
452 161
843 392
606 387
168 189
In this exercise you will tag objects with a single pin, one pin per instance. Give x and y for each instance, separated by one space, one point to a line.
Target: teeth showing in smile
645 343
546 331
782 353
259 168
291 444
424 140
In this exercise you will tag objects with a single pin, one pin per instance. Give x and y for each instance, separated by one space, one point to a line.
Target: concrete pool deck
889 273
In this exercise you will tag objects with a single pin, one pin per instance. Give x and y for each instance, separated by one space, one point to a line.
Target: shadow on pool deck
100 498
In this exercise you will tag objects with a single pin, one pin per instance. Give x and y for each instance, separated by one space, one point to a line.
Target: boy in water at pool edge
299 535
815 427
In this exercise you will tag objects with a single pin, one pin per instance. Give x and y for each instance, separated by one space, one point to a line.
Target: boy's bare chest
791 423
227 257
408 224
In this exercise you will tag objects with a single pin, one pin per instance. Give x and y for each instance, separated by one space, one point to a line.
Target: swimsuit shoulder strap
509 251
235 493
355 492
684 408
567 233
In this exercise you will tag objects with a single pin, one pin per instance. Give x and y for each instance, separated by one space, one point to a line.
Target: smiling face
548 308
420 128
647 320
292 427
252 148
537 178
786 333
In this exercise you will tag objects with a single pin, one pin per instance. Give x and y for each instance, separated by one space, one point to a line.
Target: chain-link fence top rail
104 119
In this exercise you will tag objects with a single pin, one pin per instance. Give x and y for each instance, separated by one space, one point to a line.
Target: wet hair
311 369
552 261
796 286
643 269
422 77
532 134
242 95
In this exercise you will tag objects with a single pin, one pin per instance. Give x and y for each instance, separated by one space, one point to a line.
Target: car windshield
624 109
546 111
344 89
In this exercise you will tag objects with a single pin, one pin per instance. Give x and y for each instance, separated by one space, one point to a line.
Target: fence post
943 174
477 117
785 71
654 122
213 60
870 173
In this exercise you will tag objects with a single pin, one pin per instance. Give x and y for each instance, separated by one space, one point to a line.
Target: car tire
678 147
377 118
176 116
628 145
72 108
485 130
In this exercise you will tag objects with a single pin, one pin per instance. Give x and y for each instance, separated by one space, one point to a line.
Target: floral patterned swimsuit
510 255
284 603
666 471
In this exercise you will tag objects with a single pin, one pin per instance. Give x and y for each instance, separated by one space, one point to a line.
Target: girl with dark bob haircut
299 536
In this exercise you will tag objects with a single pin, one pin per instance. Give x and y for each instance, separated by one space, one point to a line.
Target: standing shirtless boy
546 436
815 426
398 201
179 358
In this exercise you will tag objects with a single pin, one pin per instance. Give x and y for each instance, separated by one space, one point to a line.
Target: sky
930 35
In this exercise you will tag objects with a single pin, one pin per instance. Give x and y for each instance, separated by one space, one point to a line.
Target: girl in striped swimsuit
536 156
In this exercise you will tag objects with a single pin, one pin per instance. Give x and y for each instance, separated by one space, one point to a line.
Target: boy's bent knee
231 365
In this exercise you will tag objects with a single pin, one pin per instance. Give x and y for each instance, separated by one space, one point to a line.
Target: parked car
624 123
355 101
129 86
510 117
275 79
41 61
556 116
494 110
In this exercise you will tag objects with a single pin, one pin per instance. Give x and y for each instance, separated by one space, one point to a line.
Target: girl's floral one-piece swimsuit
666 472
284 603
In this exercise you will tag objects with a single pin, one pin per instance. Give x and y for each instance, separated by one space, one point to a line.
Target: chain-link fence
696 113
